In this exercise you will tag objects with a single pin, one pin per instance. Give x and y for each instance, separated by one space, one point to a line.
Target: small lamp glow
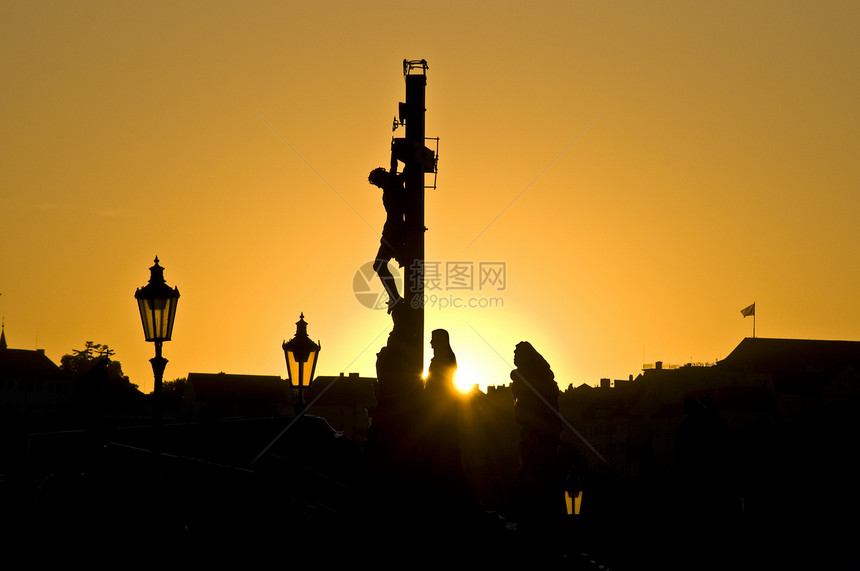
573 503
301 354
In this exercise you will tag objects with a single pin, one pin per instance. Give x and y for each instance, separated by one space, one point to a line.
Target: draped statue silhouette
441 418
540 493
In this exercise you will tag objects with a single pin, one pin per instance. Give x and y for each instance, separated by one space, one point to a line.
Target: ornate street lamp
301 354
157 304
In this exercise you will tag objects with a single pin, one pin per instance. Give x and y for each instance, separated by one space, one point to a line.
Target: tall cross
417 159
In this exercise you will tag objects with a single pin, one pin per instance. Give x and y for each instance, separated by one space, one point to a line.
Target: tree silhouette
80 361
100 387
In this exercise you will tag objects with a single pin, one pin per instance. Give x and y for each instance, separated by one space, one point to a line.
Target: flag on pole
748 310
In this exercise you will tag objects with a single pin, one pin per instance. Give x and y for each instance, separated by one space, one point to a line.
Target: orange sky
643 169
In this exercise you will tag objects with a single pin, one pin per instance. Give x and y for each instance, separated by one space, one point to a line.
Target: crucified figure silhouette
391 243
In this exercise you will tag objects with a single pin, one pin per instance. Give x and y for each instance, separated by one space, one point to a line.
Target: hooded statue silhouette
540 494
442 418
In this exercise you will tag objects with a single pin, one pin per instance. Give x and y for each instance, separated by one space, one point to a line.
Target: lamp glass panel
171 317
146 318
310 366
157 317
293 369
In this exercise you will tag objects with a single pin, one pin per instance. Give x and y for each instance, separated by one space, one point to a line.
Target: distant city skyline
643 171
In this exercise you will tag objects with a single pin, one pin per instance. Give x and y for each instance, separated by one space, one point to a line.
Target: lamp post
301 354
157 304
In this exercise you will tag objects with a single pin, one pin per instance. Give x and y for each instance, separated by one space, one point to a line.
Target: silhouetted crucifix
403 233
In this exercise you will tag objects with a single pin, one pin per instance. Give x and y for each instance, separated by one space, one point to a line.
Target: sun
464 380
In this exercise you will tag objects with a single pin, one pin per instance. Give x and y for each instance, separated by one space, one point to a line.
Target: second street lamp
157 304
301 354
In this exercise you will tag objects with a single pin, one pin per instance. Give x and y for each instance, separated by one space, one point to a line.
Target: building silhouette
32 387
209 396
344 402
756 454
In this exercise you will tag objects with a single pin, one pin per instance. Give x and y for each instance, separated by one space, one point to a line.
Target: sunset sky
643 170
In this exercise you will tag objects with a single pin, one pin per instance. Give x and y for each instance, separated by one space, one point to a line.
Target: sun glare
463 381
